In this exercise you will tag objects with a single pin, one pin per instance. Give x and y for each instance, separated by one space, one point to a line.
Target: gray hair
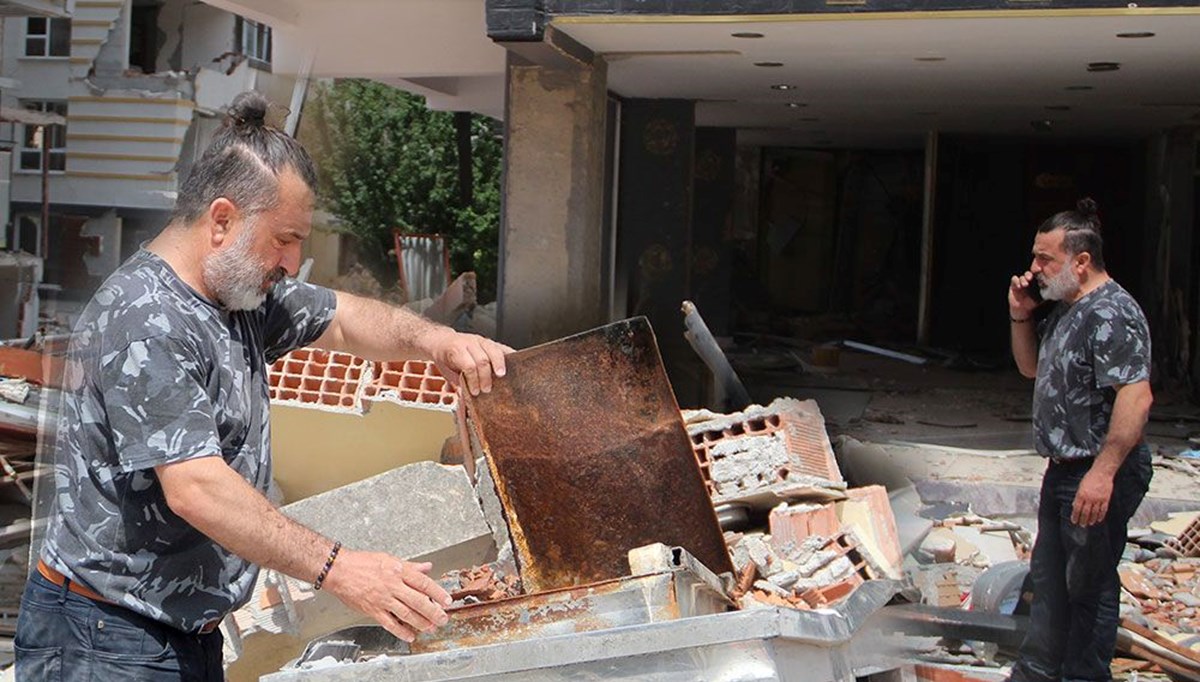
243 163
1081 229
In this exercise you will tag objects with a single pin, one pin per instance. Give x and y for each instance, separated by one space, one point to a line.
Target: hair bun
1087 207
249 110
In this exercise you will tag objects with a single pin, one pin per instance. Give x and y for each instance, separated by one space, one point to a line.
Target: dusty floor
963 424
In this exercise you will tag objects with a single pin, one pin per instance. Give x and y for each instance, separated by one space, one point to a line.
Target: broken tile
1137 585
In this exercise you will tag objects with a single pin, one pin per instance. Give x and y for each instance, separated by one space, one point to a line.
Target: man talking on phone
1090 357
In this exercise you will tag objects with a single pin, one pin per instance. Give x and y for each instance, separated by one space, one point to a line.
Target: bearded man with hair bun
1088 350
159 520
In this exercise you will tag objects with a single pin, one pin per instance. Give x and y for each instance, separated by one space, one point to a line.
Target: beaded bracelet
337 546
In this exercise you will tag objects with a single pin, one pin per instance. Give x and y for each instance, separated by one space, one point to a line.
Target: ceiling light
1057 107
1079 88
768 64
783 86
795 105
929 59
1103 66
746 34
1136 34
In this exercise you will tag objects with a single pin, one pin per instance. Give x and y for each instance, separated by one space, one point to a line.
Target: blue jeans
64 636
1076 591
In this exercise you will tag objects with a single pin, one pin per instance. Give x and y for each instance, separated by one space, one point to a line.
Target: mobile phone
1034 291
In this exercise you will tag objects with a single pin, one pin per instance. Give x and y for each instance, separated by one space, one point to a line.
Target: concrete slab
421 512
993 548
997 484
911 528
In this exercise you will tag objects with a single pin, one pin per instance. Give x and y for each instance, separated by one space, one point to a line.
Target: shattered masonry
344 382
782 443
1188 542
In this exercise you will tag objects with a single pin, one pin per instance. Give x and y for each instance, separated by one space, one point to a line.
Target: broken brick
332 379
411 381
789 432
1187 543
318 378
794 523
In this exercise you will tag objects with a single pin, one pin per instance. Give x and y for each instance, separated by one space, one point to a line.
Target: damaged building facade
140 87
879 161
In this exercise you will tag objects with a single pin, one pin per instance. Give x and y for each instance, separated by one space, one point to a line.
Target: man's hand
1020 303
473 359
398 594
1092 497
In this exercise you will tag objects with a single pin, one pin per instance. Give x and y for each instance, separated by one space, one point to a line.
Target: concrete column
654 225
551 274
712 226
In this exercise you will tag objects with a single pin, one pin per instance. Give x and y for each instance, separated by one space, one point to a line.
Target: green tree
388 162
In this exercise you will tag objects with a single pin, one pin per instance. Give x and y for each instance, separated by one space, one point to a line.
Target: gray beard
1062 286
236 277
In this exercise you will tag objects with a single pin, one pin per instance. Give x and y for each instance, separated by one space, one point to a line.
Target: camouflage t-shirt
1088 349
159 374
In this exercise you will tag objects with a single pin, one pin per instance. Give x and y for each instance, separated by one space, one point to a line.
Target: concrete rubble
765 455
806 542
968 563
801 535
422 512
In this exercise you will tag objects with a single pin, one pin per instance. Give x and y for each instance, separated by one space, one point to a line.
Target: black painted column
654 225
712 226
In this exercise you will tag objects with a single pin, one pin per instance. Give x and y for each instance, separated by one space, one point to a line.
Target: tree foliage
387 162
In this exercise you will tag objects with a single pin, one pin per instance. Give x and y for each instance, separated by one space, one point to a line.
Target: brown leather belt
58 579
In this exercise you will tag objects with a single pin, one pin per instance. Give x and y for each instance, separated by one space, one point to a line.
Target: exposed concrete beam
275 13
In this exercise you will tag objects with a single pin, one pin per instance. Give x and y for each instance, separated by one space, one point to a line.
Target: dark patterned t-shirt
1088 349
159 374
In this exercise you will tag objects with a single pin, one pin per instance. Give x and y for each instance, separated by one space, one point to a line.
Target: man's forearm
1024 347
378 331
218 502
1130 412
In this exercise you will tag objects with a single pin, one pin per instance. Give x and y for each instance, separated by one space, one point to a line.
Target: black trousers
1076 591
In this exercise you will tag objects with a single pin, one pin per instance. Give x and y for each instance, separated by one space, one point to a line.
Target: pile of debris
1165 593
815 573
821 540
481 584
604 513
1160 600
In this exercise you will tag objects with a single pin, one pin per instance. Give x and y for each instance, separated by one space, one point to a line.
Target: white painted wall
41 78
65 190
114 53
207 34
